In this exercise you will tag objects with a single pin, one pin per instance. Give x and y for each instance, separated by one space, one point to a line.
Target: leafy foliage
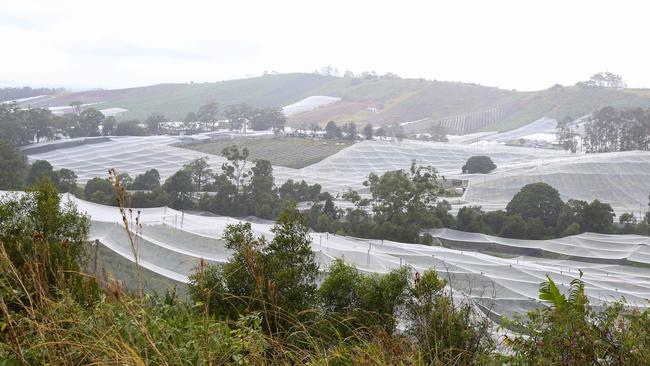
13 165
537 200
479 164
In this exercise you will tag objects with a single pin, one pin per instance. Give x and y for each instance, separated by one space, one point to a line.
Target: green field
289 152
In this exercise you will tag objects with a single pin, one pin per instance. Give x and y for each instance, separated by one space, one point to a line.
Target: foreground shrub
571 332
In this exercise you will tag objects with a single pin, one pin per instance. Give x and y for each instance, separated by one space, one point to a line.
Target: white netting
616 178
502 274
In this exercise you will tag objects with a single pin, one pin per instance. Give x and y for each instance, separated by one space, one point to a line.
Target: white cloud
511 44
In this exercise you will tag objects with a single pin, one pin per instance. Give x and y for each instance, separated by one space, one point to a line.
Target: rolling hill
462 107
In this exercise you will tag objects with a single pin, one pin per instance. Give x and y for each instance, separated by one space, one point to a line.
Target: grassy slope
288 152
398 100
175 100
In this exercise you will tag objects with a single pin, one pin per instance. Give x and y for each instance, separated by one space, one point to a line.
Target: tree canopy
479 164
537 200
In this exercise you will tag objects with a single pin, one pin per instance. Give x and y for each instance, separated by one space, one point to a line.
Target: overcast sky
524 45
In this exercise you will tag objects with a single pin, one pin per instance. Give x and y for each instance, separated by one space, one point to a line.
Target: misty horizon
86 45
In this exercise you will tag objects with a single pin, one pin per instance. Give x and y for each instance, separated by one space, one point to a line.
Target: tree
300 191
179 187
627 219
15 93
535 229
330 130
441 212
609 129
76 107
395 131
469 219
261 274
291 263
339 290
147 181
67 181
126 180
478 164
264 119
566 136
239 115
439 133
99 190
88 123
108 127
45 241
594 217
494 221
314 127
537 200
368 131
200 172
261 191
401 191
369 300
153 123
597 217
13 128
445 332
351 130
129 128
41 168
209 114
41 123
156 198
605 80
402 202
381 133
572 229
514 227
235 168
629 222
13 165
329 209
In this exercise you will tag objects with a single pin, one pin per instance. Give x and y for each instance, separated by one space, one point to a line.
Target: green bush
478 164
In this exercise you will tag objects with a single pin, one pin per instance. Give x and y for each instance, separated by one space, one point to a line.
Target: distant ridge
462 107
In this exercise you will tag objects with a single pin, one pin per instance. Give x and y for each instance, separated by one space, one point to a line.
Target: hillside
461 107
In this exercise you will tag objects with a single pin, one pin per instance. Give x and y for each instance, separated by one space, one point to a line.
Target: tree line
241 188
350 131
237 117
15 93
21 126
608 130
400 206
